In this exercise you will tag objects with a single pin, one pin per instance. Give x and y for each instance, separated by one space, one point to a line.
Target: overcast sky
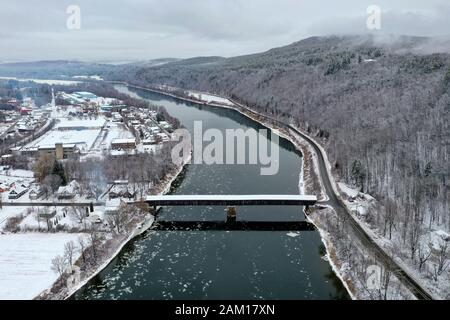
147 29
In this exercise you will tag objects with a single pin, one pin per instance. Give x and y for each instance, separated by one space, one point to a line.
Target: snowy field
79 137
25 263
210 98
87 123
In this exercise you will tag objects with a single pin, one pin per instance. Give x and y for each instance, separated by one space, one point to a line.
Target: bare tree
82 245
385 280
51 183
69 252
47 216
442 257
414 236
59 265
389 219
119 219
78 213
94 242
423 256
96 190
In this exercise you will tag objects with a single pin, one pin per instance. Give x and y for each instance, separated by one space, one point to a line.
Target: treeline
13 89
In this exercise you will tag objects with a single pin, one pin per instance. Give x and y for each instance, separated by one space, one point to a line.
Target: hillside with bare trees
380 109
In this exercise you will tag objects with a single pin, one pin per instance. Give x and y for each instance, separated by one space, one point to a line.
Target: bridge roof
233 197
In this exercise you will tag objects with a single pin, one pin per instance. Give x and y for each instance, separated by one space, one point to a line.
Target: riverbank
75 282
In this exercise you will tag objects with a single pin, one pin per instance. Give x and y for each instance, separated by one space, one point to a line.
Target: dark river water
222 264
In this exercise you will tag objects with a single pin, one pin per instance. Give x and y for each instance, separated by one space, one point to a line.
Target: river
221 264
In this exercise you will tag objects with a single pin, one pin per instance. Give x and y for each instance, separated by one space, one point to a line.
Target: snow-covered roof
120 141
233 197
51 147
81 123
18 189
71 188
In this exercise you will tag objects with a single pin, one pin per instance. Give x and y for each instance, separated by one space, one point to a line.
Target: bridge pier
231 214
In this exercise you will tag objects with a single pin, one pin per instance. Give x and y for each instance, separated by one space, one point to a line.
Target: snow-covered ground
86 123
114 130
15 173
26 260
44 81
210 98
80 137
364 207
88 77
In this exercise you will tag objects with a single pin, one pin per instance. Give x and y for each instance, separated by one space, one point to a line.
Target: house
154 130
147 142
25 110
165 125
121 191
69 191
36 192
17 192
163 137
7 159
118 144
60 150
112 206
129 195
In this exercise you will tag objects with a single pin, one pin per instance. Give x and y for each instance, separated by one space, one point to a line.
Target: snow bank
347 190
26 260
209 98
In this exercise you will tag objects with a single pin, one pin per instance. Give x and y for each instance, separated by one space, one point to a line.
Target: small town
41 201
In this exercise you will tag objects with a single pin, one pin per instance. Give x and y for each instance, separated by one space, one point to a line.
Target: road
334 200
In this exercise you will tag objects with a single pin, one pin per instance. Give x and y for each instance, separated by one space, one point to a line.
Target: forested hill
381 110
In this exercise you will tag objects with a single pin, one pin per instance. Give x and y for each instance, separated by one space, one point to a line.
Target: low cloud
138 29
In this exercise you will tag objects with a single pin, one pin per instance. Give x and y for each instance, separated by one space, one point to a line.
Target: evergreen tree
58 170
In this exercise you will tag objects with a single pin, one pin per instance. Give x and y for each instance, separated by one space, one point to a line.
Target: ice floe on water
293 234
